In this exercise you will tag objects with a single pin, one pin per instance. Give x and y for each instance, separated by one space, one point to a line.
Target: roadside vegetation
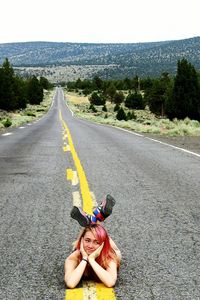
165 105
22 100
143 121
29 114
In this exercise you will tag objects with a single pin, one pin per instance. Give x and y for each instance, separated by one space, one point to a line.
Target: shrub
121 115
134 101
7 123
92 107
97 99
186 121
195 123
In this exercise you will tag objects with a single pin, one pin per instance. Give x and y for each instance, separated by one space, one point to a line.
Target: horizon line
61 42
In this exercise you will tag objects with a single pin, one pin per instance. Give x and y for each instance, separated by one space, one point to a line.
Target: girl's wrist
85 258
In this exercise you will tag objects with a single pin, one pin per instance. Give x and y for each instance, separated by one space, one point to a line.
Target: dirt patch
191 143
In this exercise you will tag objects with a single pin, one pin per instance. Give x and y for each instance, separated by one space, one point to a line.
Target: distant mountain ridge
123 59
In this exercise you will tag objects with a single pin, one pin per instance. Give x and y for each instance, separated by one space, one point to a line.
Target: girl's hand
96 253
82 250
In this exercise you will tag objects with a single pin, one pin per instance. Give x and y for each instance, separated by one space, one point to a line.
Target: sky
102 21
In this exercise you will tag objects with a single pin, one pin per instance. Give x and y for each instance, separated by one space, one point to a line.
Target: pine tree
34 91
185 97
157 94
7 96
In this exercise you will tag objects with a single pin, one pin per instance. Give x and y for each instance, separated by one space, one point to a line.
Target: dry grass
145 122
77 99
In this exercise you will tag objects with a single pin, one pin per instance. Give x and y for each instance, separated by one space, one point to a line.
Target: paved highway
155 221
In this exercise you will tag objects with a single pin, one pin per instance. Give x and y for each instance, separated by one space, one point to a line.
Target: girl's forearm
74 277
103 275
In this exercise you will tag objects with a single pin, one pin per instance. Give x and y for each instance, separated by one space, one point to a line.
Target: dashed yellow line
72 175
64 136
66 148
85 192
76 199
69 174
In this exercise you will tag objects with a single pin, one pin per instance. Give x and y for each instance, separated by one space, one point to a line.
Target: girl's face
90 243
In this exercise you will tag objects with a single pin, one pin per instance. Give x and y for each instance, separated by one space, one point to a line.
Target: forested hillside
112 60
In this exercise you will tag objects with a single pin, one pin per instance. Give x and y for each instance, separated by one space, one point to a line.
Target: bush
134 101
7 123
92 107
97 99
121 115
195 123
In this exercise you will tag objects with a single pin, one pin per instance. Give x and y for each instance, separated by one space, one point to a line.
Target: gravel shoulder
191 143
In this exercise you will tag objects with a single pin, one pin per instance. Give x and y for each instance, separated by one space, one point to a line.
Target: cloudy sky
106 21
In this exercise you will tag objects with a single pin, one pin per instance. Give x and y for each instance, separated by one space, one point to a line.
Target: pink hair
107 254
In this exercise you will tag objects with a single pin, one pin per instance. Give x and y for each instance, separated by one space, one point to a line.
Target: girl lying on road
96 256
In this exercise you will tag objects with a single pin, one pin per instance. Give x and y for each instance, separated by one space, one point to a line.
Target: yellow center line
66 148
104 293
90 290
85 191
74 294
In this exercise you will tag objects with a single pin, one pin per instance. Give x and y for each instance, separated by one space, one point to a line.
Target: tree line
166 96
16 92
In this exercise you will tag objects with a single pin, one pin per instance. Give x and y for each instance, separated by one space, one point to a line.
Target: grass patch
77 99
144 121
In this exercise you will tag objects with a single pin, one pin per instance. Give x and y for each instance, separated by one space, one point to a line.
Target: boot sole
77 215
110 202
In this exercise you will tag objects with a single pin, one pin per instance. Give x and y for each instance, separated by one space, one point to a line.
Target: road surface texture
155 222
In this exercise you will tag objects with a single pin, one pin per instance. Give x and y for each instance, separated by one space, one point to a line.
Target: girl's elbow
69 284
110 283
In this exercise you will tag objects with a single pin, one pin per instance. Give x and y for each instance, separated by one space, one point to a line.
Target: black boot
79 215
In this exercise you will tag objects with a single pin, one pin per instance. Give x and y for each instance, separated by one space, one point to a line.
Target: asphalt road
155 221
